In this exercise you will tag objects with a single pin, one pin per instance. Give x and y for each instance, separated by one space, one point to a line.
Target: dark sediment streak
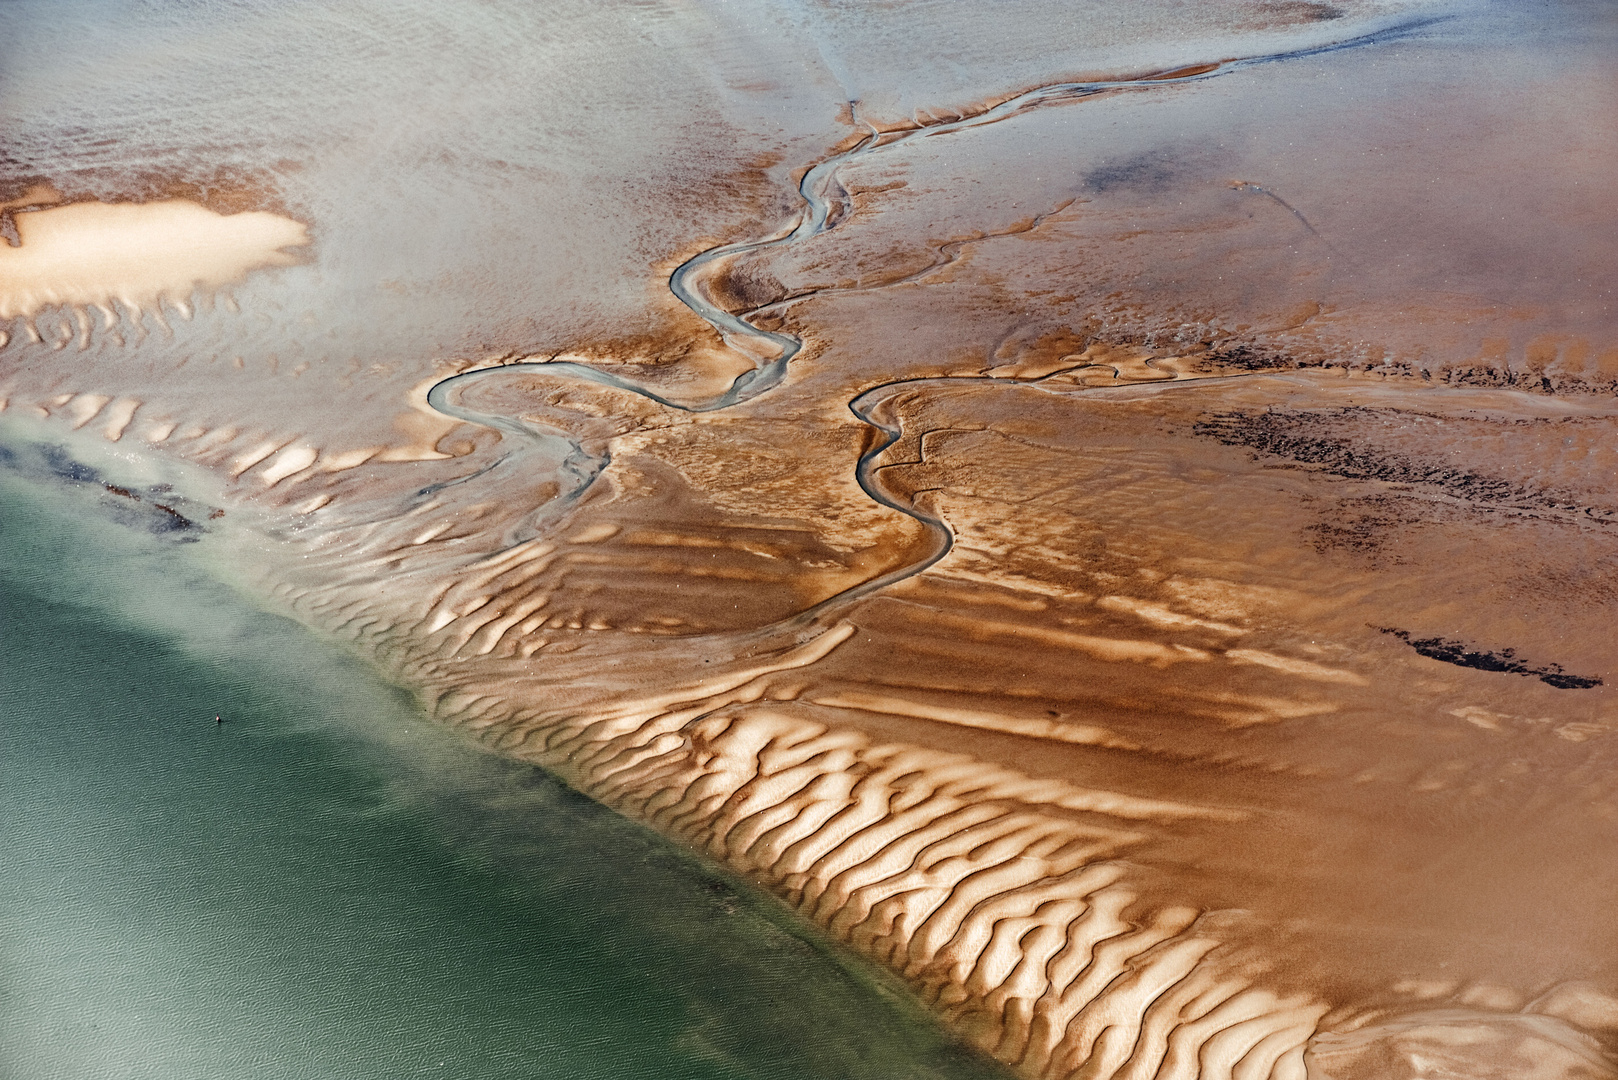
1461 654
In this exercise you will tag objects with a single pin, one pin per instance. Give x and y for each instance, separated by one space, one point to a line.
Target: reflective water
325 885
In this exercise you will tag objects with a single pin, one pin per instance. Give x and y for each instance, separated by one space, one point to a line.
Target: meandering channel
771 351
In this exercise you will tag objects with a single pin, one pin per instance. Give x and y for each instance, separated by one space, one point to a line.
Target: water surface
326 886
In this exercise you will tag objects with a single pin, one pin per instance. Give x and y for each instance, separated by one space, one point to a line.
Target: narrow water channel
770 351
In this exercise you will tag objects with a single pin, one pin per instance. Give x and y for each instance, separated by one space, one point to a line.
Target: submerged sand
1172 636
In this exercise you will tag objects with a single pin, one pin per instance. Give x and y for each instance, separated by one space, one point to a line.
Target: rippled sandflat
325 885
1106 511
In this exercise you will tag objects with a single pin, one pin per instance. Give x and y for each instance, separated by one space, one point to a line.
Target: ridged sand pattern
1003 899
1129 695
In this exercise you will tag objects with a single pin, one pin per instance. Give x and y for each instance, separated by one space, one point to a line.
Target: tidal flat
326 884
1105 512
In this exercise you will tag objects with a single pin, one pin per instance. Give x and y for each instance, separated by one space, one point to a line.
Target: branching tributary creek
772 351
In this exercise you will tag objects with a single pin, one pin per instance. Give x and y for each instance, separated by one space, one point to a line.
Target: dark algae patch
1298 437
1348 442
1461 654
157 509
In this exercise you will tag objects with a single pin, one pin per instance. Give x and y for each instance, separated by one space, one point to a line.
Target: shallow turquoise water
328 886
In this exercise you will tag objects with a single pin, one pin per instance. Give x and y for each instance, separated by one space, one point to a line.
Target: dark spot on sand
1297 436
180 520
1245 358
1147 173
1505 661
136 508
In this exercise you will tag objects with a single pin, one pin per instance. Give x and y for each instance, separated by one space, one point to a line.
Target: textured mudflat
1130 546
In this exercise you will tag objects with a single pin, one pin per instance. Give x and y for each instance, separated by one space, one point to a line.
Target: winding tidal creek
1056 539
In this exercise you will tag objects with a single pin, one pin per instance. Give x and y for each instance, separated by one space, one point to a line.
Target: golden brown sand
1259 721
1132 783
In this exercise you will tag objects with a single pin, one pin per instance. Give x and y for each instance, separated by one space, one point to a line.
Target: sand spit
1129 782
1036 913
1112 811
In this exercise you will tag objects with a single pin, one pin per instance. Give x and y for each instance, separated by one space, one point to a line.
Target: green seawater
327 885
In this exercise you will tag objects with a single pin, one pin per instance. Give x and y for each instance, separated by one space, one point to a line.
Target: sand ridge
760 764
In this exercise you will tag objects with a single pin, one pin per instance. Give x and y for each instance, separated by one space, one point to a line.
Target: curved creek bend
1016 888
772 352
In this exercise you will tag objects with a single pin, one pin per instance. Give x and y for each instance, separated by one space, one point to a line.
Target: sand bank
94 255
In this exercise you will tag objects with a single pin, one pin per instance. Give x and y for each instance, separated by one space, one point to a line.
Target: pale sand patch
1162 614
1104 648
252 457
118 418
289 462
85 408
1293 666
91 254
592 534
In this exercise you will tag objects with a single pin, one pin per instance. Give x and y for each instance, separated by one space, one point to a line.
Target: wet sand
186 899
1155 598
